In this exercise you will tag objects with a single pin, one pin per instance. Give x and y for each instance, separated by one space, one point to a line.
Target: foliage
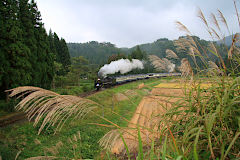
60 50
23 137
94 52
137 54
26 55
206 125
80 73
7 106
15 64
52 106
116 57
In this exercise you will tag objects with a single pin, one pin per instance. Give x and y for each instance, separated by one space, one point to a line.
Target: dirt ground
146 117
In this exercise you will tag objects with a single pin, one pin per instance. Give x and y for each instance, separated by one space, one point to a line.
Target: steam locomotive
111 81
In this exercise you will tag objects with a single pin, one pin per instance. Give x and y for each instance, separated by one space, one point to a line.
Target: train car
111 81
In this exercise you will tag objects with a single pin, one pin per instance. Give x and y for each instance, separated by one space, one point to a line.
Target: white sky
127 23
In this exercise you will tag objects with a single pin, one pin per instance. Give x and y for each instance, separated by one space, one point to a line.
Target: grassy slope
22 137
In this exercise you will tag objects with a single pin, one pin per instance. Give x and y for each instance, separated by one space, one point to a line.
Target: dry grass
183 86
161 64
42 158
140 86
171 54
54 109
176 92
118 97
185 68
146 118
130 93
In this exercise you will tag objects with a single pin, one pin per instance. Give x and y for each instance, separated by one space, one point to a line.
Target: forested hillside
27 52
94 52
99 53
157 48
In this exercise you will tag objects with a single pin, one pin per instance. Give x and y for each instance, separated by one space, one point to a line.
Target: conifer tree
45 59
62 54
51 43
27 26
15 65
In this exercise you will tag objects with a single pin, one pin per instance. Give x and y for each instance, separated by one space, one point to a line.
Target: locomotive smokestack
122 66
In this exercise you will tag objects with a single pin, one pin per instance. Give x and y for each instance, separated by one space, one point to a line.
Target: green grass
22 136
84 86
6 107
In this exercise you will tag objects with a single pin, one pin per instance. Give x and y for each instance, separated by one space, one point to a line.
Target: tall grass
205 126
208 124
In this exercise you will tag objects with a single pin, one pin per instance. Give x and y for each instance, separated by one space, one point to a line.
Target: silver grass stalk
185 68
213 69
171 54
53 108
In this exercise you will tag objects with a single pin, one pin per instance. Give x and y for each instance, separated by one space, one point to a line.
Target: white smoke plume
122 66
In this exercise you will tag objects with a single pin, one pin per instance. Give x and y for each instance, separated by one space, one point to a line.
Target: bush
8 106
85 88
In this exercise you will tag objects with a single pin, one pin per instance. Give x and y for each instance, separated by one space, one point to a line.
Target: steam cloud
122 66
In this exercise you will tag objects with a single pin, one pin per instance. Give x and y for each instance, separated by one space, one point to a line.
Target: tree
138 54
62 54
15 63
79 68
116 57
51 43
29 39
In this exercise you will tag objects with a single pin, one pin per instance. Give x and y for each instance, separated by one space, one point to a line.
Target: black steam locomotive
111 81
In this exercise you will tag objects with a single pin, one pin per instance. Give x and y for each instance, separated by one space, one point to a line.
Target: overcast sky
127 23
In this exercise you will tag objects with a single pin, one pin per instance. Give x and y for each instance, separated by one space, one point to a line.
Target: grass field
22 138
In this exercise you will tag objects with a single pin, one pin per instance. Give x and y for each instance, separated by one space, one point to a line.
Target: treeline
94 52
27 52
60 50
100 53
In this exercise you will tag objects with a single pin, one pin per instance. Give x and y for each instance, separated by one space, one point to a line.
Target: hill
228 40
157 47
98 53
93 51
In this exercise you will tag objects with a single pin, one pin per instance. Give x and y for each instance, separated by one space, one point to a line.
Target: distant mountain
228 40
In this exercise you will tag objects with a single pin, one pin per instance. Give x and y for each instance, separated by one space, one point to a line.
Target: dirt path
147 118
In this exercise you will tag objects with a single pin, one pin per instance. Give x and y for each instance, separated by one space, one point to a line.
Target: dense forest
101 53
28 55
93 51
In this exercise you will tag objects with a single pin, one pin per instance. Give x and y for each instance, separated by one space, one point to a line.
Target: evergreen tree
27 25
51 43
62 54
138 54
45 60
15 65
